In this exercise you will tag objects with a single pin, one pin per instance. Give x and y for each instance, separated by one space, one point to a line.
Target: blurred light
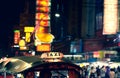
27 37
57 15
19 75
110 17
28 29
43 9
22 43
45 37
42 16
43 47
16 46
43 3
16 36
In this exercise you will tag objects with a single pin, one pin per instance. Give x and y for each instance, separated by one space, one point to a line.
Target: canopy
19 64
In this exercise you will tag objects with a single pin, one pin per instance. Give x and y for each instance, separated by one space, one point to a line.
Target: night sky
9 17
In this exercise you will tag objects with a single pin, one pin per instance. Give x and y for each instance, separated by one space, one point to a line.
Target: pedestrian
118 73
112 73
102 70
98 72
92 72
107 73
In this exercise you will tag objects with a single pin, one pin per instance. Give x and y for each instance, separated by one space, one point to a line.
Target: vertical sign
16 36
110 17
42 21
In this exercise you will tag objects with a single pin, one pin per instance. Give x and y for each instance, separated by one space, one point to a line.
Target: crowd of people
89 71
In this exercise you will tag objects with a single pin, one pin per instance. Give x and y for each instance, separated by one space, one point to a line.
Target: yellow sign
43 47
28 29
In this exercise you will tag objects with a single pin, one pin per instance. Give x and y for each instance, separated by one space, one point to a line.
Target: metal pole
4 74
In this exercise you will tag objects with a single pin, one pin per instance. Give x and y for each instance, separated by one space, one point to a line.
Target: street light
57 15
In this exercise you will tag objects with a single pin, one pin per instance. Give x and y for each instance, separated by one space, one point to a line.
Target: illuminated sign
42 16
16 36
45 37
42 22
23 48
43 9
43 47
41 30
43 3
52 55
96 54
28 29
22 43
110 17
27 37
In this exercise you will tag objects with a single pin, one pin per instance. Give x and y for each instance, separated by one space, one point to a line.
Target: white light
18 75
57 15
110 17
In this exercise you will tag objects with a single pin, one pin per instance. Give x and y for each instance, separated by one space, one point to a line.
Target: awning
19 64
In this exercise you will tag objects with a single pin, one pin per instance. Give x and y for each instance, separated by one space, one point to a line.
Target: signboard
92 45
43 47
52 55
110 17
16 36
28 29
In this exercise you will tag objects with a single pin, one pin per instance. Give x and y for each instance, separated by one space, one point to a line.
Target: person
102 70
112 73
98 72
118 73
92 72
107 72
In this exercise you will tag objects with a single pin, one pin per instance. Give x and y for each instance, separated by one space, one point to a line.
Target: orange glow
44 23
23 48
43 3
42 16
16 36
110 17
42 30
45 37
42 9
96 54
43 47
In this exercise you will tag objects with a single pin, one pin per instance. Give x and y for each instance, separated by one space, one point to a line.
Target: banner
110 17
